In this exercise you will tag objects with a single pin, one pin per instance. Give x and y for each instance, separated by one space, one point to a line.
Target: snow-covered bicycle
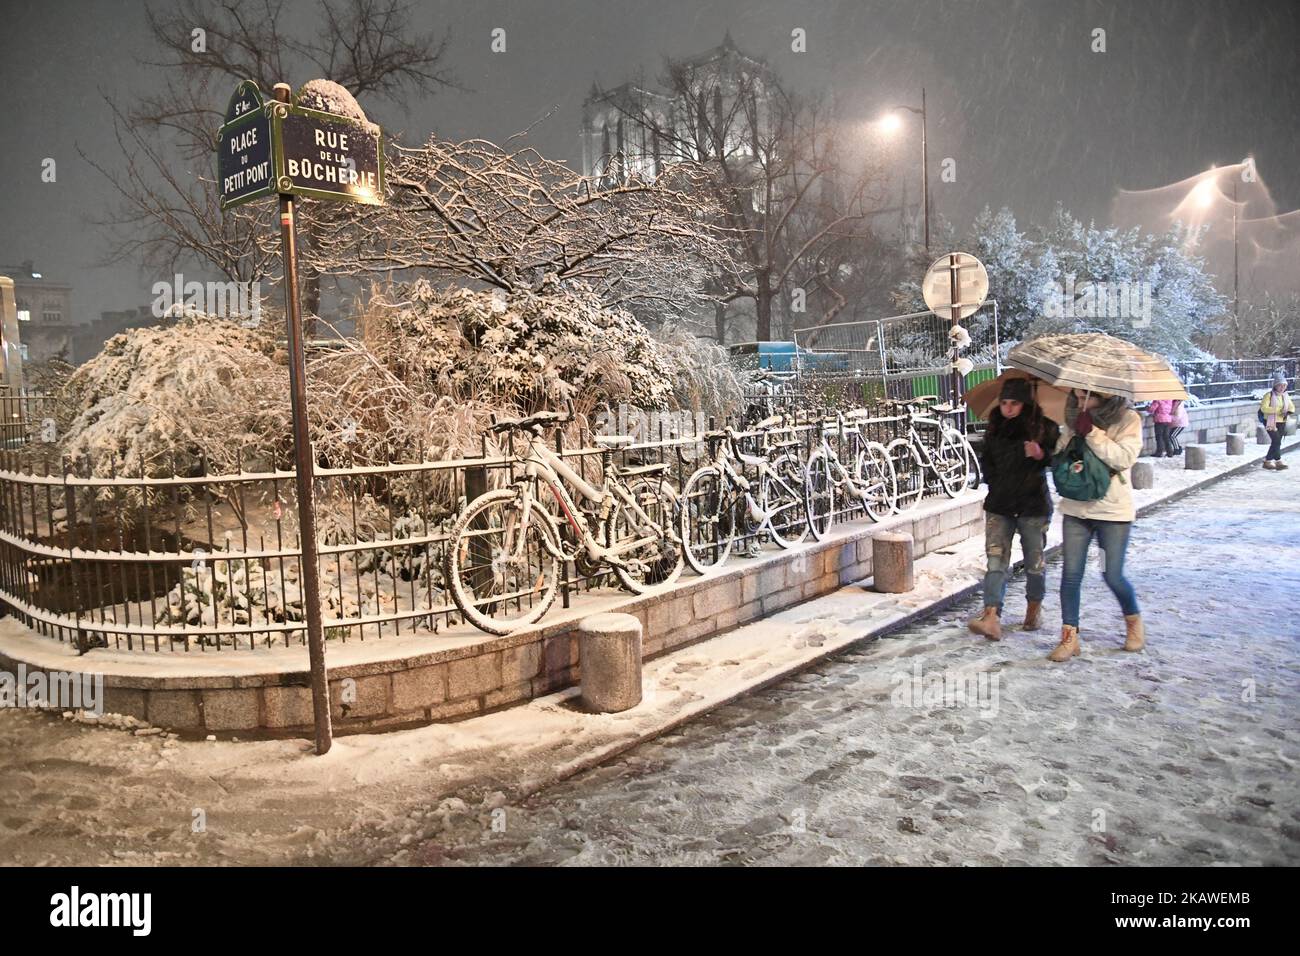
504 551
719 503
872 482
942 450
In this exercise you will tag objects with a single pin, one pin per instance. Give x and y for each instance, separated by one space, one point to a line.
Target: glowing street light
1205 193
891 123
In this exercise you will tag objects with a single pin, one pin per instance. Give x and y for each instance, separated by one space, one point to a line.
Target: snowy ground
1184 754
824 766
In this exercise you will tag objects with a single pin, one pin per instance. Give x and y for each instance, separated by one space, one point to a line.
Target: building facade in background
717 106
44 308
48 329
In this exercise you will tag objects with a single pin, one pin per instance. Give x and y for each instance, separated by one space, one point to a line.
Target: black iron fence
1217 379
180 561
26 418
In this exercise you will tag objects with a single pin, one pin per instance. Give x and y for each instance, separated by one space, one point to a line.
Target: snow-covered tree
505 217
168 215
785 184
1066 280
1263 327
1178 298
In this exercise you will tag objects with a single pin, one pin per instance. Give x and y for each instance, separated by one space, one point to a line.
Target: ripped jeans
999 530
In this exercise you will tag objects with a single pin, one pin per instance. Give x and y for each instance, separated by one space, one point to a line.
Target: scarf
1106 415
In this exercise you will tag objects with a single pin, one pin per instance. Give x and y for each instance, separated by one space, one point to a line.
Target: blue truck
786 357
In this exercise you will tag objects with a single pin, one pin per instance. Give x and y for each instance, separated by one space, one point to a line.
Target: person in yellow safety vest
1273 412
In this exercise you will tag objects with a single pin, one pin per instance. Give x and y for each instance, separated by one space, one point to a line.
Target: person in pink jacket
1180 422
1162 414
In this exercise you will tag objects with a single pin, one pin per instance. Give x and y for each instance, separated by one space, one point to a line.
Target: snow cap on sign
329 97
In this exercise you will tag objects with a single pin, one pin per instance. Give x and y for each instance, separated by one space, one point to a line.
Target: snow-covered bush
430 366
704 379
204 388
242 592
407 562
533 350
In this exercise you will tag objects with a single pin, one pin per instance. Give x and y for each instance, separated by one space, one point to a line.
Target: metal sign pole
320 691
954 318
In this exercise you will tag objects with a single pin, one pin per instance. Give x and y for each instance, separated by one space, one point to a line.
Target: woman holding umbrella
1104 375
1113 432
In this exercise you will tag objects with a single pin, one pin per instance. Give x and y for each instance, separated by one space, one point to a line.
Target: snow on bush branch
427 369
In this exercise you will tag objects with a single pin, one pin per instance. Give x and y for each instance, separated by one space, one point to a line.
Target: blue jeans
1113 538
999 530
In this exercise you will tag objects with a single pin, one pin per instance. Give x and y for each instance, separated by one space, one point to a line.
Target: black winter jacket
1017 483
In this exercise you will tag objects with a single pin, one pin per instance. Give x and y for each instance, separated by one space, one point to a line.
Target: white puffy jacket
1118 447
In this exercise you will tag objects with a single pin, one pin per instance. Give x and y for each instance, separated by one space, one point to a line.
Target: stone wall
474 677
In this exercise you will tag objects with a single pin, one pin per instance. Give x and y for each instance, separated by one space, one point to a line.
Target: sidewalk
79 795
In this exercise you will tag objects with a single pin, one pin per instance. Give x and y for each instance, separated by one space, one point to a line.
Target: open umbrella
1098 363
983 398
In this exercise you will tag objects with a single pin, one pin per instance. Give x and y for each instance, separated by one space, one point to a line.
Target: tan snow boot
987 624
1137 637
1280 465
1069 646
1033 616
1268 465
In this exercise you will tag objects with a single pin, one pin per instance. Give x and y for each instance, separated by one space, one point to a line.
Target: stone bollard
1261 436
1194 458
1236 444
610 659
1143 475
891 562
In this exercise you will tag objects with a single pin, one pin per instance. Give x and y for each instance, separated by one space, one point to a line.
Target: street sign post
266 147
955 287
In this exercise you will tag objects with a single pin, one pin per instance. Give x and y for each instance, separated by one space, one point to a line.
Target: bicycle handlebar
533 422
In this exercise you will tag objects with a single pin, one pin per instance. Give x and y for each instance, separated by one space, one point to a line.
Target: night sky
1016 95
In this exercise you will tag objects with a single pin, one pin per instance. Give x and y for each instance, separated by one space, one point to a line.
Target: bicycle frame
919 442
542 464
858 488
738 480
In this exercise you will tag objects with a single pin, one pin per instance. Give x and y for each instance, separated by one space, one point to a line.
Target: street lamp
890 123
1205 195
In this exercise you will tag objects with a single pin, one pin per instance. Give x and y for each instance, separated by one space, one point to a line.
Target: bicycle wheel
819 494
973 460
708 528
874 471
909 474
501 576
784 502
650 550
951 463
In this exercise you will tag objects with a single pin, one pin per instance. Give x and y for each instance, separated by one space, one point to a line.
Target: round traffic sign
955 286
